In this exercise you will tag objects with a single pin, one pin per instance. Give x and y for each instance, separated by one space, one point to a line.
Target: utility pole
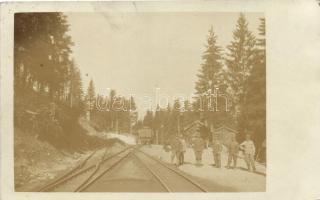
157 137
132 119
179 124
130 127
162 131
117 123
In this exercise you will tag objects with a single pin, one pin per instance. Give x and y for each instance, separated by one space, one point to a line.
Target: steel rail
154 174
73 173
64 176
88 183
177 172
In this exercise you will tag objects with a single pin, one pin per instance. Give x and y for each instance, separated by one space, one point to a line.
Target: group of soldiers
178 148
233 147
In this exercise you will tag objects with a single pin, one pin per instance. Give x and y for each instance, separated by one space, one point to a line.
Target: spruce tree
91 96
148 119
41 50
253 115
75 88
44 74
212 79
212 64
239 61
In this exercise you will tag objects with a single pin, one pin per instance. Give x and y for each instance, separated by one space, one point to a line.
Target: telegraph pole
179 124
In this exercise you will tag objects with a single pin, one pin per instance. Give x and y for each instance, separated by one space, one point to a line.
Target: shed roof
227 128
189 126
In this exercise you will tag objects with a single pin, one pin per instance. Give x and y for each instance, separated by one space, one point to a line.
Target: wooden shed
191 130
224 134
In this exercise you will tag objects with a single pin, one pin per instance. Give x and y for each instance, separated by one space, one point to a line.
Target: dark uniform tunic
233 153
216 150
198 146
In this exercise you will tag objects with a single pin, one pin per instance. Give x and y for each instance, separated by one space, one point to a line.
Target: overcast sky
134 53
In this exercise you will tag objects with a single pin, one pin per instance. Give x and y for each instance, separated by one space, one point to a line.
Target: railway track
104 167
79 174
161 176
170 178
167 178
65 176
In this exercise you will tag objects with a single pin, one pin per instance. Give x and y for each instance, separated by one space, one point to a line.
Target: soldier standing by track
216 150
198 146
173 150
249 152
176 149
183 149
233 151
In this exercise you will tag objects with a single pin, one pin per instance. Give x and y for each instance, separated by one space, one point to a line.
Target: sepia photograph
140 102
131 100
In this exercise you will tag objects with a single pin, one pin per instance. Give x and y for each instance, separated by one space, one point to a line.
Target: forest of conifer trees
48 86
237 71
48 95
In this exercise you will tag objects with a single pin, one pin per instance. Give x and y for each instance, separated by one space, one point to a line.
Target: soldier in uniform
249 151
233 150
216 150
183 149
198 146
173 149
176 146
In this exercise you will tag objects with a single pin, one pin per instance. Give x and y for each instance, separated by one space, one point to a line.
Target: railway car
145 135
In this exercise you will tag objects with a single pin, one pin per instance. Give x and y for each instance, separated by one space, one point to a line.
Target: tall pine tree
148 119
91 96
239 61
253 110
210 78
212 64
